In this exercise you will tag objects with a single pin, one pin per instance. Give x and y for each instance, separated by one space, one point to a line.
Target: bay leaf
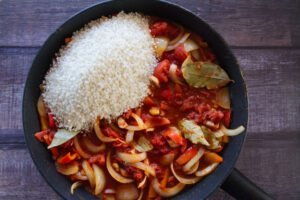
62 136
204 74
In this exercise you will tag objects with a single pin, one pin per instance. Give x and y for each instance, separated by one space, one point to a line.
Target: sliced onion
127 192
134 128
75 185
232 132
172 74
223 97
99 133
218 134
109 191
100 179
132 158
122 123
175 40
89 172
115 174
42 113
161 44
79 150
91 147
190 45
210 168
195 159
129 136
167 159
183 180
79 176
139 120
154 80
166 192
147 168
143 182
67 169
182 40
194 168
141 195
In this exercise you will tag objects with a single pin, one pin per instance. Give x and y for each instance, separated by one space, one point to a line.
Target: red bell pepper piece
187 155
67 158
40 135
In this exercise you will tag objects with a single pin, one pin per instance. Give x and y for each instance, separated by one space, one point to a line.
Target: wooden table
265 37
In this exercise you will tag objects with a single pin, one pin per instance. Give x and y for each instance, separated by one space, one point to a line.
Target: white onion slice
167 159
80 176
194 168
67 169
100 179
210 168
79 150
190 45
129 136
167 192
139 120
115 174
122 123
172 74
127 192
195 159
91 147
141 195
182 40
232 132
143 145
143 182
183 180
132 158
218 134
75 185
161 44
223 97
175 40
154 80
100 135
89 172
144 167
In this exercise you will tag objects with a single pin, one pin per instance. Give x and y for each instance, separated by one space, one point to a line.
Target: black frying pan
225 176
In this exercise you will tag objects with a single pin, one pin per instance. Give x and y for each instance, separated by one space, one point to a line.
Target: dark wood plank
273 164
272 76
242 23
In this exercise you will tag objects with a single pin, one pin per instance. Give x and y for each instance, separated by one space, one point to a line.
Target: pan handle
240 187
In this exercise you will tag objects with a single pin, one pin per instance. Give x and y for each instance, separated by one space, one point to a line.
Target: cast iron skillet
225 175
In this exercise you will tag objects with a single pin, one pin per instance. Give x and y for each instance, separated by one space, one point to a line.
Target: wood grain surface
265 37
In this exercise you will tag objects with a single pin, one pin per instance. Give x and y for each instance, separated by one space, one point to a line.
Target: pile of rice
103 71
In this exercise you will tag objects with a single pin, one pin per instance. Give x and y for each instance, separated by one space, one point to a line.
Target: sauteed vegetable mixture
174 139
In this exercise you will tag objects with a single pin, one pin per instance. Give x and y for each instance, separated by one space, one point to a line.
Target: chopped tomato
155 121
67 158
100 159
166 93
51 121
161 71
111 133
180 53
226 119
187 155
40 135
148 101
162 28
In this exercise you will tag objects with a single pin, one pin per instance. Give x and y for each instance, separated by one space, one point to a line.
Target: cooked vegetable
160 45
115 174
127 192
132 158
139 121
143 145
129 136
173 136
172 74
79 149
100 179
183 179
194 168
99 133
142 184
166 192
67 158
187 155
204 74
154 111
223 97
122 123
75 185
91 147
212 157
42 113
167 159
62 136
154 80
190 45
89 173
181 40
144 167
192 132
67 169
193 161
232 132
207 170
